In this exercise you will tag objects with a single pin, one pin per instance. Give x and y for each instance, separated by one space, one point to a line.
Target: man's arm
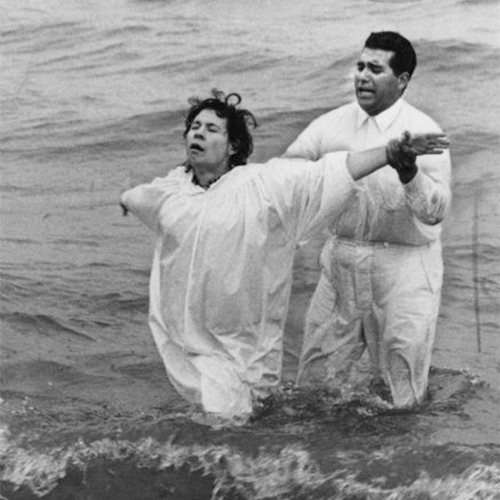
427 186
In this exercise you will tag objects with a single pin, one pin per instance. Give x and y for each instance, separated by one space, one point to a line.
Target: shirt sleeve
307 195
307 144
428 194
145 201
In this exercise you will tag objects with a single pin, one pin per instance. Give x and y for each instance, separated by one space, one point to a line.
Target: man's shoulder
351 108
337 117
418 116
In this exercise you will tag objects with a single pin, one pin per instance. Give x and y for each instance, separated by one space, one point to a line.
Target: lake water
95 92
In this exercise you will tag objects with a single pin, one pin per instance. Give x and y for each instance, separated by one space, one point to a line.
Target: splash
290 474
251 477
303 445
480 482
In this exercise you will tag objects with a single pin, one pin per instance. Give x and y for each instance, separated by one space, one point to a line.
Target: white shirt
382 208
222 268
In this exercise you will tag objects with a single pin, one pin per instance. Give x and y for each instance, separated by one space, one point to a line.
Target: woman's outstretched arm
399 153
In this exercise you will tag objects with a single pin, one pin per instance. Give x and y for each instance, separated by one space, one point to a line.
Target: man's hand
423 144
402 153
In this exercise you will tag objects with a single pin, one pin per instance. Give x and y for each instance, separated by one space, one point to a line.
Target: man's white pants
375 296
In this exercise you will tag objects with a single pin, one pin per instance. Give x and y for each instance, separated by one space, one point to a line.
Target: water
93 93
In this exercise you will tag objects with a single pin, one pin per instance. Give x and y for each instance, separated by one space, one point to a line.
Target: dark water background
95 92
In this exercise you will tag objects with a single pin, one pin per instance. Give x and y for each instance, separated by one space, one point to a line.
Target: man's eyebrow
369 63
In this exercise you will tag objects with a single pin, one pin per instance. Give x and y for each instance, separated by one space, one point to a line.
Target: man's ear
403 80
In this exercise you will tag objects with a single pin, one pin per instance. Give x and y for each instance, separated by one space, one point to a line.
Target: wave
459 53
321 448
24 30
115 303
82 139
44 325
76 63
12 188
233 63
470 141
478 2
120 469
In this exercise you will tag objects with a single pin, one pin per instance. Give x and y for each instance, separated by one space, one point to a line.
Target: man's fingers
437 139
428 138
428 144
440 143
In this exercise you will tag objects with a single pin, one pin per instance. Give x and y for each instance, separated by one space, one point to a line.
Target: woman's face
207 142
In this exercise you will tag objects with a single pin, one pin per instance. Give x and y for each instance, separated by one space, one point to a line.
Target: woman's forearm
400 154
362 163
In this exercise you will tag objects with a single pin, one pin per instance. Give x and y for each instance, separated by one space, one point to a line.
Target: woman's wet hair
238 122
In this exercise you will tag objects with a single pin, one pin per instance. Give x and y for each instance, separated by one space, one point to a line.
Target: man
381 269
226 236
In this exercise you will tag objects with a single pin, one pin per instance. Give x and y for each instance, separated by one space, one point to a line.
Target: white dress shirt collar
383 119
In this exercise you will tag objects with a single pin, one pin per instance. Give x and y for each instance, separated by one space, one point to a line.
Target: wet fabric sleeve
309 194
428 194
145 201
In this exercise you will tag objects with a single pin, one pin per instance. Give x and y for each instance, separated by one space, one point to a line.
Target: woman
226 238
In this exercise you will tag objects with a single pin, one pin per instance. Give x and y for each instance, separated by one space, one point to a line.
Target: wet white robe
222 270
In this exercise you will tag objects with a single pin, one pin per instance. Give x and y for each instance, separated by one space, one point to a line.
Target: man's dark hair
238 122
404 58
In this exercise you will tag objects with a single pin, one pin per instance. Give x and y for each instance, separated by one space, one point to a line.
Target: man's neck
383 119
377 112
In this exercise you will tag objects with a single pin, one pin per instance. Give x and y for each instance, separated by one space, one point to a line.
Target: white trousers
382 298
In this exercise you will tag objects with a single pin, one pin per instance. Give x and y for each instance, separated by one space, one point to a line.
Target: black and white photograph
250 250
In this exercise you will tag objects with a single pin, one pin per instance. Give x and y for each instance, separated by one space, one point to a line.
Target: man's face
377 87
207 143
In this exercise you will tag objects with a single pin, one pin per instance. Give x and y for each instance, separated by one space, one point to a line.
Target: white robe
222 270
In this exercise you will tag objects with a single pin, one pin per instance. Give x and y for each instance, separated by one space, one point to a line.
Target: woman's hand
127 184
